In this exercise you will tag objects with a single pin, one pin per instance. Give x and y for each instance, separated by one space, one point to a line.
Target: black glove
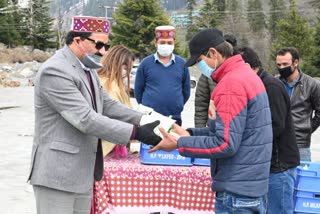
146 135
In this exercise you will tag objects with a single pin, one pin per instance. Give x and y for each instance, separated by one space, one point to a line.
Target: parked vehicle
133 79
193 82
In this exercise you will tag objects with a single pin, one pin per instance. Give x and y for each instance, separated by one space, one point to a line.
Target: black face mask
285 72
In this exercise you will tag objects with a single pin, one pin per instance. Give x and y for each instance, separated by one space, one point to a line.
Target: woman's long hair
111 76
113 62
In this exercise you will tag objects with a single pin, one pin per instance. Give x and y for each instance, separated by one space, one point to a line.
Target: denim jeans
227 203
280 195
305 154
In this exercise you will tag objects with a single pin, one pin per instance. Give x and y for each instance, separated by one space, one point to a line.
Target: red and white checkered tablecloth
128 183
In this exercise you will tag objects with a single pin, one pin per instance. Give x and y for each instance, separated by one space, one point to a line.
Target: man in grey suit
72 113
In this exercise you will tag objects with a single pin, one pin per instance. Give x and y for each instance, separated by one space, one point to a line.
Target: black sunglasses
99 44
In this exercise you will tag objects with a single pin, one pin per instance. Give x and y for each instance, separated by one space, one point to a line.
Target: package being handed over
165 122
160 157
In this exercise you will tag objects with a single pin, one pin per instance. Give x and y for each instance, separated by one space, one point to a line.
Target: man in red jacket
238 139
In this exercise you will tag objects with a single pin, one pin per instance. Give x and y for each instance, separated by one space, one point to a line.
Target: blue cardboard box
307 202
162 157
308 177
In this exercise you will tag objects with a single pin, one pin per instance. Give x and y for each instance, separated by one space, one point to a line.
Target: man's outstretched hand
146 135
180 131
168 143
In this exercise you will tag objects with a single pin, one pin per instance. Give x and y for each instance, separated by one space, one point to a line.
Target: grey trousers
52 201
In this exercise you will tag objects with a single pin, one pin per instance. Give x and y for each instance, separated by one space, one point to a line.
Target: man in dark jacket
202 98
285 153
304 93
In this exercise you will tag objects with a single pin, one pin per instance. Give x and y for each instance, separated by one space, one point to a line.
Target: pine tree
209 15
294 30
17 30
4 26
191 27
221 5
315 3
24 23
9 24
277 10
190 6
135 22
40 24
233 16
256 17
314 61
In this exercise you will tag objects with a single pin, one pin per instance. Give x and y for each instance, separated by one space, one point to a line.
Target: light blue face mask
205 69
92 61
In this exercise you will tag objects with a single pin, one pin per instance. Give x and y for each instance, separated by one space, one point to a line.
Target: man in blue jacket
162 82
238 139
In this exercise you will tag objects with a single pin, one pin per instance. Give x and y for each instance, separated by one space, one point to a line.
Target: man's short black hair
250 57
292 50
73 34
231 39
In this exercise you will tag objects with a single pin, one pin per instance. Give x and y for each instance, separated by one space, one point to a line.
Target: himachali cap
165 32
201 42
90 24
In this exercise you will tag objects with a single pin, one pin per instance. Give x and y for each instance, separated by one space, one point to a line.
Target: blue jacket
239 140
165 89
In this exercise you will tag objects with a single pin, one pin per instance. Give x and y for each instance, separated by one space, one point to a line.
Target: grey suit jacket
67 128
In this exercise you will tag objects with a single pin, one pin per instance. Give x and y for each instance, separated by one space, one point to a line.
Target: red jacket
239 140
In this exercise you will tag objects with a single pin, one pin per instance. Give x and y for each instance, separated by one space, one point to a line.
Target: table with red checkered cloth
131 187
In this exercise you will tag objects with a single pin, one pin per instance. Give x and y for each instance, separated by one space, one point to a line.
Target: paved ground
16 130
